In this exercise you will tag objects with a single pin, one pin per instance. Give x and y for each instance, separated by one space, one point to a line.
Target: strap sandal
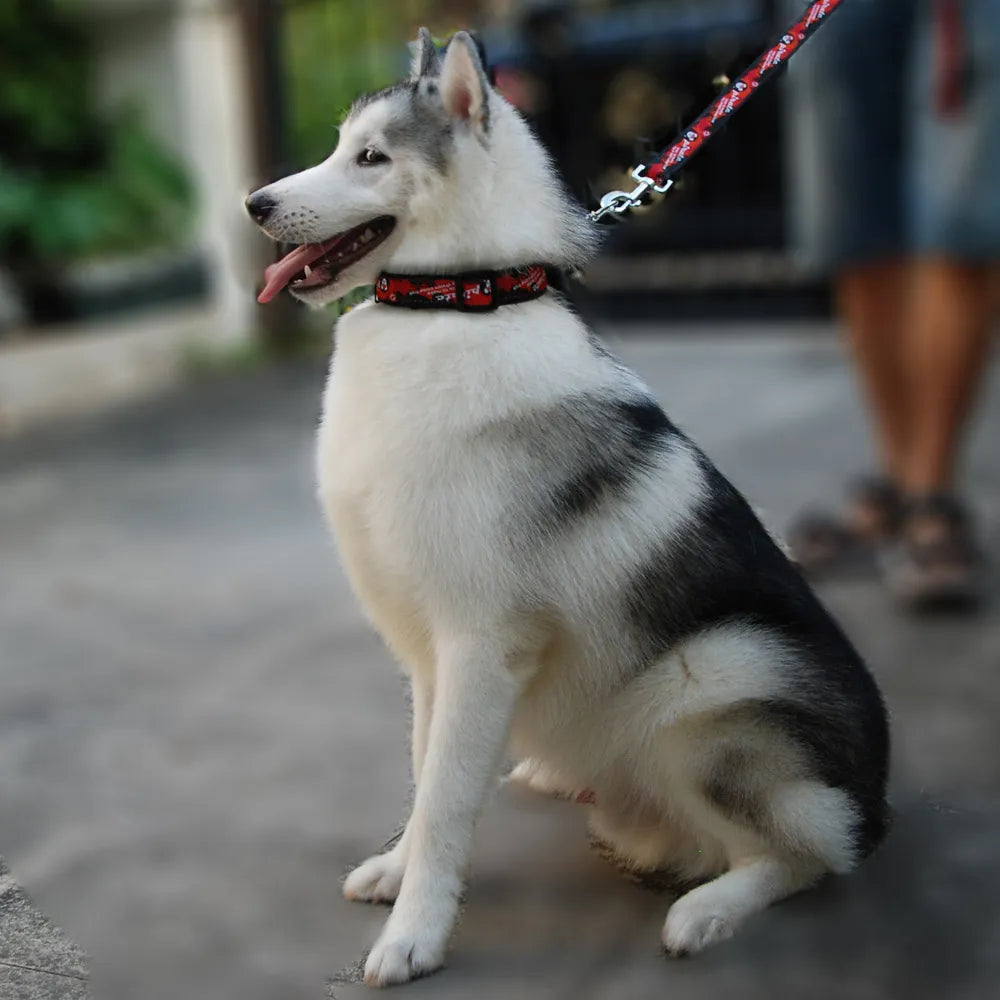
823 543
934 564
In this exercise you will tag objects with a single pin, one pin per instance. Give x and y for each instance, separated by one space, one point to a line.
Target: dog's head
423 177
350 212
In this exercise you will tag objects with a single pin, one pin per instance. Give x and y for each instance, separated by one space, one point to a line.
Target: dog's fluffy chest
416 478
413 491
398 409
378 456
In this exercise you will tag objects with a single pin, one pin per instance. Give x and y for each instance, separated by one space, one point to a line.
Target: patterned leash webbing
657 174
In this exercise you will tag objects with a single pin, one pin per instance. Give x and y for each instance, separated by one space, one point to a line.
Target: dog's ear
465 88
425 60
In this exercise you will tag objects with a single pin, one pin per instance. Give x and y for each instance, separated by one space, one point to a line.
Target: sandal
822 543
934 563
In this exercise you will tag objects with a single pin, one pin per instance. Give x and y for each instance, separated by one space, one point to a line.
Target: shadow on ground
546 917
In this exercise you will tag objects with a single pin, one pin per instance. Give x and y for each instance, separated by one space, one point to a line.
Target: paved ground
37 961
193 718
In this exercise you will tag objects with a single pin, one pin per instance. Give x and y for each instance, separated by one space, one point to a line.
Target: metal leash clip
616 203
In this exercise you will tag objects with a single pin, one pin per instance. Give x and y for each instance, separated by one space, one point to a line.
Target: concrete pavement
199 734
37 961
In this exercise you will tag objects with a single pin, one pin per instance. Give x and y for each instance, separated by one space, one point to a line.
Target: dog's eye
370 156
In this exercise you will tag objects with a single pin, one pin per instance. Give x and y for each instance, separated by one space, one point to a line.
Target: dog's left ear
465 88
425 56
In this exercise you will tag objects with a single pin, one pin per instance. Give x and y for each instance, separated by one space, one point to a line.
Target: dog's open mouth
314 265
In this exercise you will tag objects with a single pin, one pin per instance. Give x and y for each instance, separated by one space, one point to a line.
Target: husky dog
562 574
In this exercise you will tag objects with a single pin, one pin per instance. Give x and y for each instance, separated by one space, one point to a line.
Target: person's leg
953 209
948 338
872 301
846 143
934 559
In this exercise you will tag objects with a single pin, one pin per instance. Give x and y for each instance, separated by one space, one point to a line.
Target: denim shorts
876 170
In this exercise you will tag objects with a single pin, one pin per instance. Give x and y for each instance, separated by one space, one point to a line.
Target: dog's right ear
465 88
425 56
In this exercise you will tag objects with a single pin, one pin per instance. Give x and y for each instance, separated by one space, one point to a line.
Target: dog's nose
260 205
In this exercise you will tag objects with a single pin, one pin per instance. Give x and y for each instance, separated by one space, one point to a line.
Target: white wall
183 61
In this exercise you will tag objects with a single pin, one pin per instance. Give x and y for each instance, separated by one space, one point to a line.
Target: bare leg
952 306
919 332
378 879
872 302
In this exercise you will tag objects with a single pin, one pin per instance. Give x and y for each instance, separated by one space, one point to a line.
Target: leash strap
657 174
471 291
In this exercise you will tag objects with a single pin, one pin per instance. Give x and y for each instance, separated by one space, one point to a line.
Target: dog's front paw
398 957
376 880
692 926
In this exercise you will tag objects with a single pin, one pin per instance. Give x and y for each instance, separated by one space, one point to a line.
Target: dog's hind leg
713 911
777 843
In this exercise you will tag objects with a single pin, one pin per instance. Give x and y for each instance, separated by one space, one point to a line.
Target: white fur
419 496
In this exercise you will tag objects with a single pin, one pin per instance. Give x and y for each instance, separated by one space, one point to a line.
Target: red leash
658 174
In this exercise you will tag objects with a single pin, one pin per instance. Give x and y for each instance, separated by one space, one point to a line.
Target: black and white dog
560 571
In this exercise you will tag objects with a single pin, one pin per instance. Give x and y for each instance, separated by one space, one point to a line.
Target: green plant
74 183
331 55
337 49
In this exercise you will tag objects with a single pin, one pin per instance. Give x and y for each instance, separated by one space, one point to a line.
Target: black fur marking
578 456
647 423
424 127
843 744
425 131
832 748
480 45
427 62
634 433
588 451
725 568
581 493
730 789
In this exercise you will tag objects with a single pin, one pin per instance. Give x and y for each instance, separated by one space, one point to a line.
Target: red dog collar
471 291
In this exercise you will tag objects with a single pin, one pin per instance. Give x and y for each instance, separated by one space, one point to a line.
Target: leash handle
657 174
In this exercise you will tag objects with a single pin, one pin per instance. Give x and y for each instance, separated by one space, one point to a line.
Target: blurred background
131 126
198 732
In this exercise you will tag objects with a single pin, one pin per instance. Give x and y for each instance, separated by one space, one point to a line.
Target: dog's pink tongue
279 274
